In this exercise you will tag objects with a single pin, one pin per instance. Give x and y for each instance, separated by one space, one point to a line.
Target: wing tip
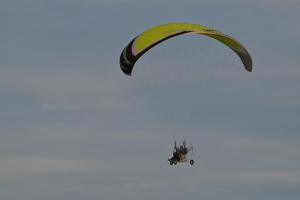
126 70
249 68
125 65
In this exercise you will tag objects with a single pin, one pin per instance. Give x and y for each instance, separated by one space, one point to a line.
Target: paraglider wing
153 36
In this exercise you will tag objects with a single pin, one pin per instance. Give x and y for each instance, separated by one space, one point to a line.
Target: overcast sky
73 126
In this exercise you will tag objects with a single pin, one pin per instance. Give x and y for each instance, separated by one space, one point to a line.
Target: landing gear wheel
191 162
175 163
171 162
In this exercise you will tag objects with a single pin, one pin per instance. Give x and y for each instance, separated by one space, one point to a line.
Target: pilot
181 148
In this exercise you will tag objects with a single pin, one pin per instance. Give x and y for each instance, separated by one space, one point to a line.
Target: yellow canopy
155 35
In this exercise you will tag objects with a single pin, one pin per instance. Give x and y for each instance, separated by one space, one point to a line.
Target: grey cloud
74 127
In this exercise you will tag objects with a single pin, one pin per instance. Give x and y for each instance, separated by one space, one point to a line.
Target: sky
73 126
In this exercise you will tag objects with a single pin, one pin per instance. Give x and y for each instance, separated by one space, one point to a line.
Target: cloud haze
72 126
